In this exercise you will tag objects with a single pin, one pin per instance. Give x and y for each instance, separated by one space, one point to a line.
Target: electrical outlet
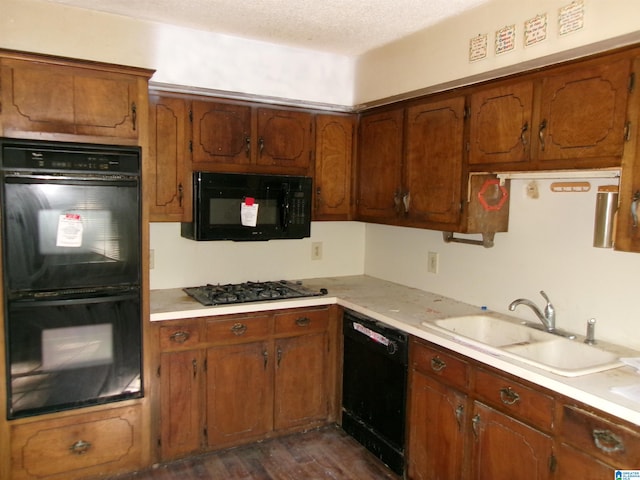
316 251
433 259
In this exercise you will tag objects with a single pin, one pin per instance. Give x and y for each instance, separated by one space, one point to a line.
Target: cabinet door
506 448
221 134
284 138
437 429
379 166
301 381
168 175
45 98
433 170
78 446
334 147
500 124
576 464
239 393
583 115
181 396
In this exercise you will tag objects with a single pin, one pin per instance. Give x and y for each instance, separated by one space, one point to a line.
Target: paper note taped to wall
69 230
249 212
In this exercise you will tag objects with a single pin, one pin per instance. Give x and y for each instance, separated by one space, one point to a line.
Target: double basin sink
541 349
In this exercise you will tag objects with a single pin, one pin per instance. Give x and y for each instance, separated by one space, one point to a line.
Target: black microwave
244 207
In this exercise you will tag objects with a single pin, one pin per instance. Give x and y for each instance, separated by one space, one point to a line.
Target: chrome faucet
548 318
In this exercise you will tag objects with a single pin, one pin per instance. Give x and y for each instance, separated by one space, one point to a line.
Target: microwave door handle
285 211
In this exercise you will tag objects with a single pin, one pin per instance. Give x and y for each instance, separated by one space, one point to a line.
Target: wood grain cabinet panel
501 124
48 98
583 114
433 168
78 446
333 167
379 166
283 139
168 174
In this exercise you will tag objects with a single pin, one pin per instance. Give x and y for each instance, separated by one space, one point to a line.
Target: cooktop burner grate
250 292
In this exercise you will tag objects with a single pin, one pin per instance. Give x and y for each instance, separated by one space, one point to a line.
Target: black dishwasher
374 386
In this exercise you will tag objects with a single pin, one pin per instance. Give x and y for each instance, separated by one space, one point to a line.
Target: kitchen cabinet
438 414
333 167
77 446
467 422
52 98
168 173
432 173
567 117
500 124
234 137
379 177
595 445
245 377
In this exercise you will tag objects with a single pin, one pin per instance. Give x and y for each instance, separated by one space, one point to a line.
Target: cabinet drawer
302 322
180 335
78 446
516 399
434 362
615 444
240 329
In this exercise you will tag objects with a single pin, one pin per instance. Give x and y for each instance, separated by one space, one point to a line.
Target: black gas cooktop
250 292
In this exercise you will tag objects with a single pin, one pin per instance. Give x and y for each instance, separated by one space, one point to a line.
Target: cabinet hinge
191 146
553 463
627 131
191 115
632 81
158 371
206 434
467 112
204 365
467 146
159 442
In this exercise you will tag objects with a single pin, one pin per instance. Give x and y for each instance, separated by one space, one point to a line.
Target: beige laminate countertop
406 308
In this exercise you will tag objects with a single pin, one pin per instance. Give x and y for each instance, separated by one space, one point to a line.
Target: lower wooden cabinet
230 380
467 421
102 443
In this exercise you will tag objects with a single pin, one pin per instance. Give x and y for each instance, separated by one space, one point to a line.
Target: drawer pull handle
508 396
180 336
80 447
607 441
303 321
437 364
475 425
239 329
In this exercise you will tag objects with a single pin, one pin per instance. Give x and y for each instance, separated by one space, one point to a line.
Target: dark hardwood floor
326 453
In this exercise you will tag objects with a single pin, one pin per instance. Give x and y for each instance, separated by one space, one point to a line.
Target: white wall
180 56
180 262
548 247
440 54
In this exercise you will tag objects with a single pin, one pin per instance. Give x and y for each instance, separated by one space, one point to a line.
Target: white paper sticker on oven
69 230
249 212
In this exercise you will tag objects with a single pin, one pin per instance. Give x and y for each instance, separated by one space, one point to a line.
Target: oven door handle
85 180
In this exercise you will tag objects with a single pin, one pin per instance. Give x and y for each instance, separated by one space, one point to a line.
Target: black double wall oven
71 244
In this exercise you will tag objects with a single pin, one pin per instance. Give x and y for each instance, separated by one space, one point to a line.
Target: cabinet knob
303 321
541 129
437 364
80 447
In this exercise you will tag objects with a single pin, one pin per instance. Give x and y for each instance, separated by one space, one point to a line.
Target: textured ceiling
346 27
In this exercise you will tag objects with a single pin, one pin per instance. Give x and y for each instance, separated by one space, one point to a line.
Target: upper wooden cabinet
568 117
168 173
48 97
233 137
380 166
333 167
433 169
501 124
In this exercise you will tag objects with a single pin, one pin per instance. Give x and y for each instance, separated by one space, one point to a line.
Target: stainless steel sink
510 338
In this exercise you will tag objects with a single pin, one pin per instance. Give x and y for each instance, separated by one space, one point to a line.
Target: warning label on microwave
69 230
249 212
